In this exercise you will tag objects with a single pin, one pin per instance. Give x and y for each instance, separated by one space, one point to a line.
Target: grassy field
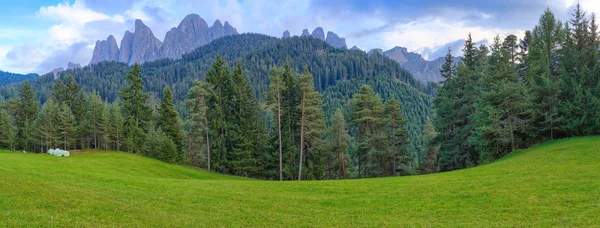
554 184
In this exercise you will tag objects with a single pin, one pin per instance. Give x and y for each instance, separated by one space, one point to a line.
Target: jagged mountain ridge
318 33
421 69
142 46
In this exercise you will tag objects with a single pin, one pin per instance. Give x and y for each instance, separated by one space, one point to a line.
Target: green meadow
553 184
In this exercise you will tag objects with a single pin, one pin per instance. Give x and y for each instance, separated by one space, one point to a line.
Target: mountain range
421 69
142 46
332 38
192 32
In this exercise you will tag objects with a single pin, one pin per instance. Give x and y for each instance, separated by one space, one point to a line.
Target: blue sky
38 36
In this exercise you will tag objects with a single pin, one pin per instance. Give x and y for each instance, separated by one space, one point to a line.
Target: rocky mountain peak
401 55
334 40
305 32
72 66
105 50
318 33
142 46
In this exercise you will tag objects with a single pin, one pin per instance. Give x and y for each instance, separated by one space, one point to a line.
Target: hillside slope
554 184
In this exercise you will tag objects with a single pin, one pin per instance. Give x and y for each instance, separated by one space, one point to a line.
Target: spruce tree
25 115
170 123
542 76
65 126
116 126
135 110
8 133
219 81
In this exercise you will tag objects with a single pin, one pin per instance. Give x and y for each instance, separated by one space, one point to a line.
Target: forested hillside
8 78
517 93
98 102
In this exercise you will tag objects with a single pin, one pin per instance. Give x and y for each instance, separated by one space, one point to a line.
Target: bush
157 145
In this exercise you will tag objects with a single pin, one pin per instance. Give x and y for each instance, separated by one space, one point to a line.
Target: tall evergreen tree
25 115
246 126
116 126
396 124
367 113
312 126
218 79
170 123
275 92
65 126
199 131
542 76
136 111
338 165
8 133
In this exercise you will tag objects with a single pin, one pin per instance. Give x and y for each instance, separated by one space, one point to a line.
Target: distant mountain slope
421 69
142 46
8 78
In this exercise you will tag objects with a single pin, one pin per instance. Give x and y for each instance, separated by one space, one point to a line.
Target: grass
554 184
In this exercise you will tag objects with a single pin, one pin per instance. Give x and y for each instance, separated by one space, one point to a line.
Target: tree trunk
301 137
358 154
279 133
394 147
207 133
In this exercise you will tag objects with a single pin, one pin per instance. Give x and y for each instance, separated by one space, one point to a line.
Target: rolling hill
9 78
554 184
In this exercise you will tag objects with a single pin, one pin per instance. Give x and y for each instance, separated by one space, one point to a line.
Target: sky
37 36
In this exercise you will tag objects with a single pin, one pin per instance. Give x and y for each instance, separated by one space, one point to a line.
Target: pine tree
500 114
542 76
312 126
396 124
8 133
65 126
275 92
135 110
219 81
367 113
106 126
337 159
116 126
170 123
246 128
511 46
431 152
199 131
94 118
25 115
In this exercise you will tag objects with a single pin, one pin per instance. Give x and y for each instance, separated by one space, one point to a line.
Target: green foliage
160 146
135 110
312 127
337 157
396 127
169 122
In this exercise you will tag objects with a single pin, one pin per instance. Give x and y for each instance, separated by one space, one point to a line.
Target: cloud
425 26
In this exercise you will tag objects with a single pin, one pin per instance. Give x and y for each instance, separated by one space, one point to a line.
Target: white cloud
75 13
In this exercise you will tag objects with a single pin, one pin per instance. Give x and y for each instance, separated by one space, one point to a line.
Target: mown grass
554 184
